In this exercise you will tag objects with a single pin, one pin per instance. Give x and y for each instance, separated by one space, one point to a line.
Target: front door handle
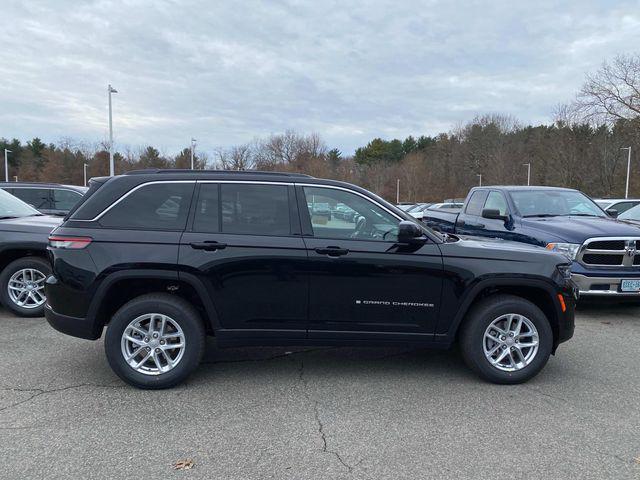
332 251
209 245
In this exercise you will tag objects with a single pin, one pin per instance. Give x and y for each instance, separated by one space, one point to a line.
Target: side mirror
409 232
493 214
612 212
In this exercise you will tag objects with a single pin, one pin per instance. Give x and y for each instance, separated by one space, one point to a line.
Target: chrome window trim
249 182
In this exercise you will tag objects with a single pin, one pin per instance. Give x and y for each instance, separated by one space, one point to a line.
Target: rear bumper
74 326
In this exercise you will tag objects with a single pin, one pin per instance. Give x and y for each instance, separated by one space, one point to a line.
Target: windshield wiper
542 215
7 217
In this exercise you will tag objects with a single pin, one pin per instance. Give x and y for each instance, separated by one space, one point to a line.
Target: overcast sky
228 71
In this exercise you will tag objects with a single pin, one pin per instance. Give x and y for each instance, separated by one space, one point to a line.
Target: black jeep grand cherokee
164 258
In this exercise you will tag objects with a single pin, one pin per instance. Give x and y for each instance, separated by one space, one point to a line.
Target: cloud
226 72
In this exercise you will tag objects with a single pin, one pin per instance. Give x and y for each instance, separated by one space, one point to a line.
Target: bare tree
613 92
239 157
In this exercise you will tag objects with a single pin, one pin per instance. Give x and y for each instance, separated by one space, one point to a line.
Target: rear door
244 244
362 284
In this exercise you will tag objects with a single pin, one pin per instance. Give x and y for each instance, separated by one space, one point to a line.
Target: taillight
69 242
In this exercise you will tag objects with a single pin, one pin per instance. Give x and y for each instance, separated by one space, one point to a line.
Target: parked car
160 283
603 249
438 206
417 211
24 234
47 198
405 206
631 216
616 206
344 212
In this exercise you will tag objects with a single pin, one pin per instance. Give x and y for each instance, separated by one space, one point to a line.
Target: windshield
632 214
12 207
553 203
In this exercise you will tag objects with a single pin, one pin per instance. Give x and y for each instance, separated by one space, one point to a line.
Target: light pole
626 192
479 175
193 148
398 191
111 90
528 165
6 165
84 170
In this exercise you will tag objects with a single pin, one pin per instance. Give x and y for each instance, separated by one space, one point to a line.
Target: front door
244 244
362 284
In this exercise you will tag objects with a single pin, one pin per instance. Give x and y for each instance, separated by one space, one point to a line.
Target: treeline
580 149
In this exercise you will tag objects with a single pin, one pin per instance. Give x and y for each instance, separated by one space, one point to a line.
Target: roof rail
148 171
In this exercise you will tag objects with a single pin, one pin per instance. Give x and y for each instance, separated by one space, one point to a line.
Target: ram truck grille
610 252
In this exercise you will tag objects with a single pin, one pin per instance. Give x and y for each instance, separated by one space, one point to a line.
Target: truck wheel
22 286
506 339
155 341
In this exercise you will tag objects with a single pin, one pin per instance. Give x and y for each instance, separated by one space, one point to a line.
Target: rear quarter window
160 206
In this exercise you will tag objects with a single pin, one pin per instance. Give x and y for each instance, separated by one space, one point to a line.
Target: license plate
630 286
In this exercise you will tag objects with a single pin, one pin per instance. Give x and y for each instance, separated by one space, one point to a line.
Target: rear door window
38 198
159 206
255 209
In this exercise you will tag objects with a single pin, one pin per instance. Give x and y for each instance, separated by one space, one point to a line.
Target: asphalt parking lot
323 413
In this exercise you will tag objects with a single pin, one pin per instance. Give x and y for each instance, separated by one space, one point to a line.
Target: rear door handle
332 251
208 245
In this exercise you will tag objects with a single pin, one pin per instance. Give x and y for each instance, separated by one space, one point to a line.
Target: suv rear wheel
155 341
22 286
506 339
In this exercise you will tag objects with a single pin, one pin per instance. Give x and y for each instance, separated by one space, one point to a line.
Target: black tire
474 327
183 313
35 263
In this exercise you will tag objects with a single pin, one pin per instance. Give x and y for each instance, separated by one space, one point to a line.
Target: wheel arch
12 253
120 287
538 292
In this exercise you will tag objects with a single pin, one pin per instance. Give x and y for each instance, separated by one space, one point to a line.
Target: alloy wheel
26 288
510 342
153 344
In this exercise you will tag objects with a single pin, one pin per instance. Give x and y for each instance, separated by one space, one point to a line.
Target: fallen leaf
186 464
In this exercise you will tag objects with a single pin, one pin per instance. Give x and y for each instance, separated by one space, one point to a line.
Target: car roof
41 185
115 187
523 188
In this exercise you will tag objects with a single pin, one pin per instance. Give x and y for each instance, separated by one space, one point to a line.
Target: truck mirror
493 214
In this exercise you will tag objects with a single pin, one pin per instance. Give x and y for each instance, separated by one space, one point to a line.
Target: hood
578 229
43 223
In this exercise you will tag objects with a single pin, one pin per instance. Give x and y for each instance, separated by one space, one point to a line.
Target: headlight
569 249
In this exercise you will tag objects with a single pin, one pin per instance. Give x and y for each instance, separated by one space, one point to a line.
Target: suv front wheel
506 339
155 341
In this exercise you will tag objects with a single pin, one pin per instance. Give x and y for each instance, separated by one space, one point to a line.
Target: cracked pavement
323 413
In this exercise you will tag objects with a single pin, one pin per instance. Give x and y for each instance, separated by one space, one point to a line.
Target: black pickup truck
163 258
605 251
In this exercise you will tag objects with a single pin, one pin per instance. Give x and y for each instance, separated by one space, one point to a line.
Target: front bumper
602 286
74 326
